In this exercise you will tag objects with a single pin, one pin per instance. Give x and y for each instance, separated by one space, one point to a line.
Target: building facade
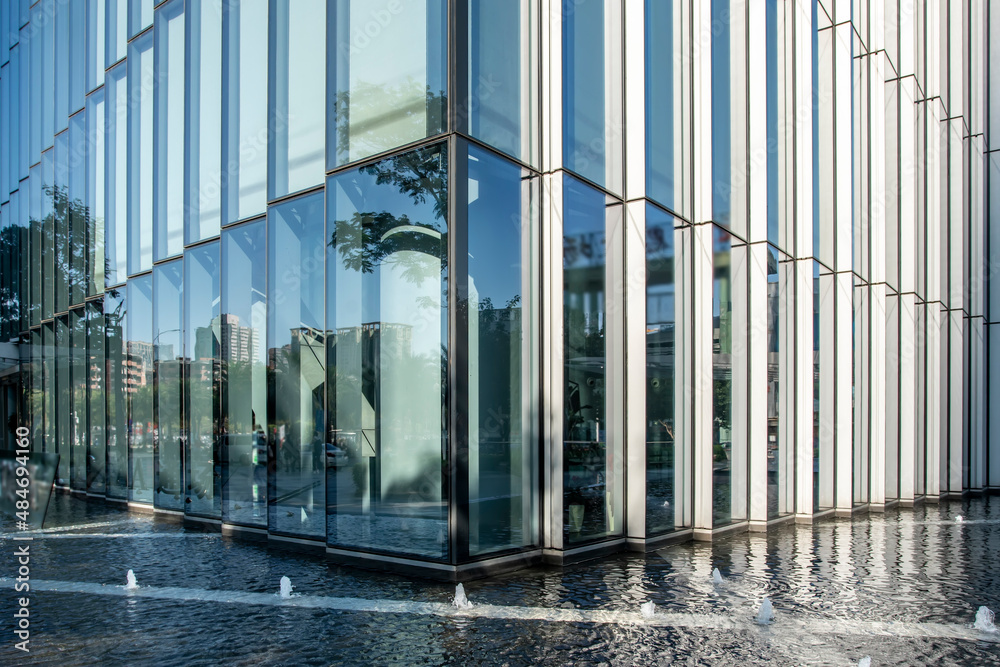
467 285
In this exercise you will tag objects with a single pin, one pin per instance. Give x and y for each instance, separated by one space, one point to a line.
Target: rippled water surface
902 587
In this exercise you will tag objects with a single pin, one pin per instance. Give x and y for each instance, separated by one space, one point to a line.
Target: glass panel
96 42
203 154
722 112
48 232
498 99
244 95
140 16
297 95
7 137
584 146
115 196
76 210
589 494
35 214
771 123
780 452
729 453
63 399
502 454
663 503
168 359
119 388
244 379
61 13
96 125
77 54
168 140
60 230
664 106
388 69
42 75
116 31
140 154
96 399
28 92
138 381
50 389
202 326
387 303
36 400
79 412
297 366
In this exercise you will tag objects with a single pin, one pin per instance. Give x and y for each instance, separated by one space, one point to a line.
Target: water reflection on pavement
902 587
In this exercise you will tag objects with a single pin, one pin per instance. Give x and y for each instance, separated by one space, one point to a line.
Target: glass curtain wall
94 201
387 69
202 379
168 360
387 314
296 358
241 333
592 465
116 164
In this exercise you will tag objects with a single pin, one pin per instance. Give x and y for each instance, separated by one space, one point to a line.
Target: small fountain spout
286 588
765 615
716 577
461 600
647 609
865 661
130 582
960 518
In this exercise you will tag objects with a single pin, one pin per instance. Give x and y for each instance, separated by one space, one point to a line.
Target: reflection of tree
364 240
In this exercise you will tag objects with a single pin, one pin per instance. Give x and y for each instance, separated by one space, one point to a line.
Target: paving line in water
784 626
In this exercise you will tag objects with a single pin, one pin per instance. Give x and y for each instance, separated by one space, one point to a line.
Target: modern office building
474 284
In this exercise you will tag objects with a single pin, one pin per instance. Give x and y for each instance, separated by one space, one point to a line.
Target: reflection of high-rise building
236 342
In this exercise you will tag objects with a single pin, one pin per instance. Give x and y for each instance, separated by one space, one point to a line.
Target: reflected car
335 456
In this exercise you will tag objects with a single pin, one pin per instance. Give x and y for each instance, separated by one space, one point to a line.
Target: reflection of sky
495 211
721 108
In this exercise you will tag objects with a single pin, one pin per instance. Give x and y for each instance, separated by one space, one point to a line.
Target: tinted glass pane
140 154
502 454
116 31
587 460
388 69
63 399
203 154
79 413
77 53
96 398
118 386
495 105
387 303
583 89
244 109
48 232
50 389
168 359
61 41
95 192
116 155
34 191
201 298
96 41
168 141
297 362
244 380
60 220
138 381
140 16
76 209
297 95
663 453
663 106
721 113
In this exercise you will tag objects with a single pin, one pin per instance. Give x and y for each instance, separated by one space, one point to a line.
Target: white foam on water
647 609
790 626
865 661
